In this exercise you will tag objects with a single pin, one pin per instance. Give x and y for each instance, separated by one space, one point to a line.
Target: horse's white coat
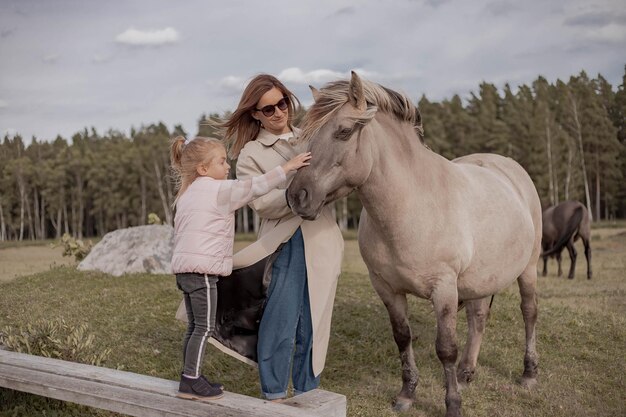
441 230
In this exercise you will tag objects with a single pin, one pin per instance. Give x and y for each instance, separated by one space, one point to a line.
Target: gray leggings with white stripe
200 292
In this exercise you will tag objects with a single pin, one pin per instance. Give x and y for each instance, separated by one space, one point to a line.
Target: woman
304 276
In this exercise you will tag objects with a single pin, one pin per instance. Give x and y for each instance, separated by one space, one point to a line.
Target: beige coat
323 242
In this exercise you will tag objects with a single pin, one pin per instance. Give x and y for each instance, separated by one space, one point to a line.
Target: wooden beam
146 396
320 402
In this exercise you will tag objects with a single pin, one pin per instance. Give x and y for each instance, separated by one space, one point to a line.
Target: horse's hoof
529 383
402 404
465 376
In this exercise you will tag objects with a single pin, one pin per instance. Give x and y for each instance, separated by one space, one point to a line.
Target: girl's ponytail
176 152
177 146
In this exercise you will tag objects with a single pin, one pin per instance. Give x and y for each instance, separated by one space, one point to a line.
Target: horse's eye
343 134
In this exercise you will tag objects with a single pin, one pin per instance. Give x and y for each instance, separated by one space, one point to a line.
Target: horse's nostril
302 197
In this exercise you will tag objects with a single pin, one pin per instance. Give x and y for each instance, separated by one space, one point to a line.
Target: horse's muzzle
300 202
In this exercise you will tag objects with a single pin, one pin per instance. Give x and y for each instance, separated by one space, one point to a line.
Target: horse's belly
489 282
503 246
493 270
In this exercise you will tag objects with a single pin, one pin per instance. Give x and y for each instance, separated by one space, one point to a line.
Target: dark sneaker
213 384
198 389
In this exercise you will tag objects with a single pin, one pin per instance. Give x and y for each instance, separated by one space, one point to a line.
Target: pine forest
569 136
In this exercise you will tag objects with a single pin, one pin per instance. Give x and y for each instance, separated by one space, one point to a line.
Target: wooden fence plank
88 372
143 396
322 403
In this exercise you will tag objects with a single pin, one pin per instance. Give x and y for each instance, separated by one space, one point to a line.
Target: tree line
569 136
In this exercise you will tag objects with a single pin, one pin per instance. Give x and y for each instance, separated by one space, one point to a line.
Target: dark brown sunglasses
270 109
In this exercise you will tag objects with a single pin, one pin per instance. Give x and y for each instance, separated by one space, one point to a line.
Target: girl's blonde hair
241 127
186 156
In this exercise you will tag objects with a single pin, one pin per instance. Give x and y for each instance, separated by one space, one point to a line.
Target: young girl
204 229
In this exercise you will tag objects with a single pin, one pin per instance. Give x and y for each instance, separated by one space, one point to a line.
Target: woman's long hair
241 127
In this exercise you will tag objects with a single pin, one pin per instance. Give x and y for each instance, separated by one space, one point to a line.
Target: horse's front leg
477 313
445 302
397 308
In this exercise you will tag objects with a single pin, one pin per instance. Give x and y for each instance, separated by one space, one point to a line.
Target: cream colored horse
446 231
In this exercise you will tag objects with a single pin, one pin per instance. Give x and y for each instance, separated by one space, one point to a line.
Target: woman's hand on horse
297 162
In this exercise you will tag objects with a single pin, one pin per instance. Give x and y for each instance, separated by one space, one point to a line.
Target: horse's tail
572 226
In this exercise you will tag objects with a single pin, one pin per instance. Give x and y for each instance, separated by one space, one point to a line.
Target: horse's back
559 216
506 170
491 171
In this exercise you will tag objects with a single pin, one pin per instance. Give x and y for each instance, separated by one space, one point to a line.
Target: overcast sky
70 64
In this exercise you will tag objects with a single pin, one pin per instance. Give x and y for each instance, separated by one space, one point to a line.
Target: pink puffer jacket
204 225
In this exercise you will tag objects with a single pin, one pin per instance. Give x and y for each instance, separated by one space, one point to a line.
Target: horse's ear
315 92
355 92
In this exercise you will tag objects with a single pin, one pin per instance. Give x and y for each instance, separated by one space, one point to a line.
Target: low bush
77 248
54 339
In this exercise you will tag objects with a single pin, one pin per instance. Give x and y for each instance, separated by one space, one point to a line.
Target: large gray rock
134 250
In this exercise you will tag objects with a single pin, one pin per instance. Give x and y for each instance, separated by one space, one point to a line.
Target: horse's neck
405 179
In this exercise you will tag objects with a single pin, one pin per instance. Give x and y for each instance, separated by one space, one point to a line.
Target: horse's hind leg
545 266
572 256
397 308
527 283
477 313
587 256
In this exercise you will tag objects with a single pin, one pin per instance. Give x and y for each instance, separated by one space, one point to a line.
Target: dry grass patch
28 260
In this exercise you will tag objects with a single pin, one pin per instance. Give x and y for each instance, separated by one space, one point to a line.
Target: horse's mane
335 94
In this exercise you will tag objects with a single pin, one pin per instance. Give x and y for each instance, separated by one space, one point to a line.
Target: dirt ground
27 260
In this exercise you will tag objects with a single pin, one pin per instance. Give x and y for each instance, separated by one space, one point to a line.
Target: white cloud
319 76
228 86
231 82
296 76
3 104
136 37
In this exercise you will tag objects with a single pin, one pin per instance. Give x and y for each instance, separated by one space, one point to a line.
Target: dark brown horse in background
563 224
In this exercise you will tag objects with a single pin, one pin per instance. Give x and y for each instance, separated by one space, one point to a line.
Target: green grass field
581 340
